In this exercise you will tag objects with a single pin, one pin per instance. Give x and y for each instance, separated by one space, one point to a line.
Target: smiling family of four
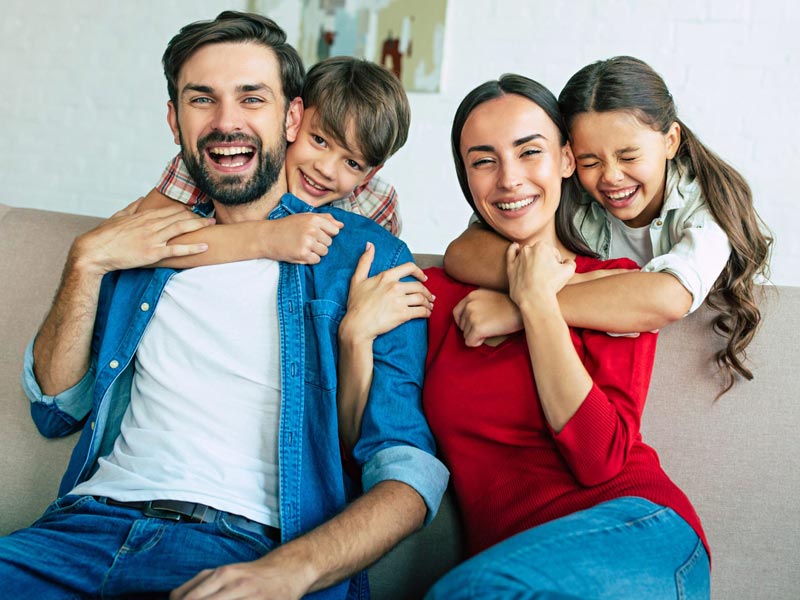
247 375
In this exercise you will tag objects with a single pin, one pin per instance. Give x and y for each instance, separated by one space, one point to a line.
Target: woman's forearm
561 379
354 382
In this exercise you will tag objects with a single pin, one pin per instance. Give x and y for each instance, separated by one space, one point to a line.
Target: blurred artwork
405 36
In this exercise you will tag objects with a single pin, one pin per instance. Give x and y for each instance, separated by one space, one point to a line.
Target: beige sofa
738 459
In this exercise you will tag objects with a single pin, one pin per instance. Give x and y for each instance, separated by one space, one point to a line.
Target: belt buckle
160 513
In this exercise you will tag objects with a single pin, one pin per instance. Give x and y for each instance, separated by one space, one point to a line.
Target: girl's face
622 163
514 163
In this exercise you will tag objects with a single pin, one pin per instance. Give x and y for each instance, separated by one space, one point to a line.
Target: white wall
83 99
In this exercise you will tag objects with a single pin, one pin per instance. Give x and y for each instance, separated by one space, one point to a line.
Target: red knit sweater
509 469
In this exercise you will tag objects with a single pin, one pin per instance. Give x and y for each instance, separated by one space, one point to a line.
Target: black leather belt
178 510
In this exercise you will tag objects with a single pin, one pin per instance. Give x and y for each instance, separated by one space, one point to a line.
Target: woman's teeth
516 205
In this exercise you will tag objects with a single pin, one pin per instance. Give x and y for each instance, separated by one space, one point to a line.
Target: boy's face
318 169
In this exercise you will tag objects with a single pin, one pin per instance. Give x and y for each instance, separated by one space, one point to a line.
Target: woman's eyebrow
515 143
528 138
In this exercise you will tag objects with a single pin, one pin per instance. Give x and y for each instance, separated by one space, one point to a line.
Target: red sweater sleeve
595 442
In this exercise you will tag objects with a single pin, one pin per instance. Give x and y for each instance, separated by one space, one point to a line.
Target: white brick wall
83 99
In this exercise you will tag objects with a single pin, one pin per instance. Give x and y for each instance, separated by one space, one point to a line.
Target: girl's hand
536 273
380 303
484 314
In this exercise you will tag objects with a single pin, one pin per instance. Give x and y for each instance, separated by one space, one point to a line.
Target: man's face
231 123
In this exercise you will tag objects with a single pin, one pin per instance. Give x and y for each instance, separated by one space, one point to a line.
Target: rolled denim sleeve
59 415
697 257
414 467
396 442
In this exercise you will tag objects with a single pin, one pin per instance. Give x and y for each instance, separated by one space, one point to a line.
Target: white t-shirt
631 242
202 425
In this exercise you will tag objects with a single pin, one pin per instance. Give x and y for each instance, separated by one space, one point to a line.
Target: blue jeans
82 548
628 548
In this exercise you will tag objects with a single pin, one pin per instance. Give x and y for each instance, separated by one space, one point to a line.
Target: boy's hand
380 303
303 239
484 314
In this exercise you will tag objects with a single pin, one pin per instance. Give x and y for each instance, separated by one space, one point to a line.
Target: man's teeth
516 205
622 194
230 151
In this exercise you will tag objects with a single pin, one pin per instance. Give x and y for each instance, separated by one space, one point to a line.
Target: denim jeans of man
82 548
628 548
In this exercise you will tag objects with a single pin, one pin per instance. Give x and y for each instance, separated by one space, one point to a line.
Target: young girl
658 196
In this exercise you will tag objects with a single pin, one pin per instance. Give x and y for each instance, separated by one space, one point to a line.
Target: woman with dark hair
559 495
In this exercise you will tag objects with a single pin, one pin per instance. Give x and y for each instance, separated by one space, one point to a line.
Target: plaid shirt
376 199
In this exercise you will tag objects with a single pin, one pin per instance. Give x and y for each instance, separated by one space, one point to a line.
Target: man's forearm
356 538
61 349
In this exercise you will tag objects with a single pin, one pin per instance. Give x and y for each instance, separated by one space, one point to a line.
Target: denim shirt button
294 369
145 307
659 223
113 364
92 424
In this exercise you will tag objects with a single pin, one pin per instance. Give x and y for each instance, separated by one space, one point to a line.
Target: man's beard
233 190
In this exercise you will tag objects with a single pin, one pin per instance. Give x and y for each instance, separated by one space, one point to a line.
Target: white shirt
202 425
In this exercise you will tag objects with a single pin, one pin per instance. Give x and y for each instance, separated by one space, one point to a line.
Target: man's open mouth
231 156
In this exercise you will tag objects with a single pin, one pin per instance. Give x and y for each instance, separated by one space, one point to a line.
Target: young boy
356 116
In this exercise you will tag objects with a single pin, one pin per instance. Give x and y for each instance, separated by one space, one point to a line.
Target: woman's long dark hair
544 99
629 84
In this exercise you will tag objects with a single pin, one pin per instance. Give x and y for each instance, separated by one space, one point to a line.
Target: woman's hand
380 303
536 273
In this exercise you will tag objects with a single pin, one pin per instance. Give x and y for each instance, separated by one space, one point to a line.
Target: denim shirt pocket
322 319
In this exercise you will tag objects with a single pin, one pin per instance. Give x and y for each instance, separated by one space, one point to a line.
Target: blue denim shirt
395 442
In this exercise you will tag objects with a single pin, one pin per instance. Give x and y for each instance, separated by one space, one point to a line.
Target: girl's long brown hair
629 84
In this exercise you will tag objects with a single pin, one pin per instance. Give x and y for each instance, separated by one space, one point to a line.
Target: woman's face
515 163
622 163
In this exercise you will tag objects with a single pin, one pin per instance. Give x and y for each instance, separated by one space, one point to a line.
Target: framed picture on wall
405 36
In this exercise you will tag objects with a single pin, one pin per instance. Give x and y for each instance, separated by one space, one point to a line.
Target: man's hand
352 540
128 239
267 577
303 238
484 314
380 303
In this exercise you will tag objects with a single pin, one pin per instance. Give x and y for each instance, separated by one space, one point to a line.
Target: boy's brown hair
346 90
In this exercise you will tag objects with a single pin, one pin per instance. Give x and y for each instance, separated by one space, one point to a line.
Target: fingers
458 312
130 209
364 263
183 250
408 269
330 225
